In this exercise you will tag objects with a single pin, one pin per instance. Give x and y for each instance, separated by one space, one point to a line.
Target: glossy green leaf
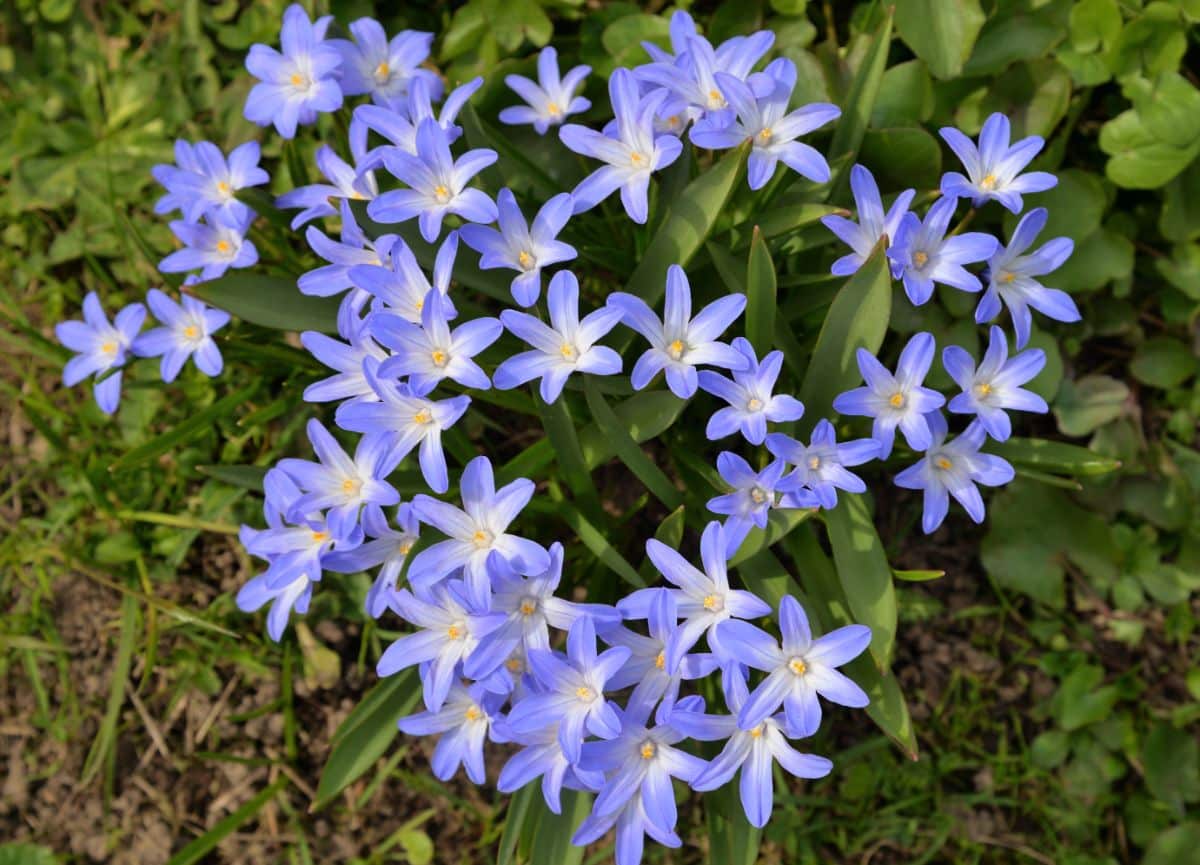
1163 362
732 840
903 157
201 847
480 133
1053 456
366 733
857 319
760 296
1087 404
860 102
628 450
940 32
1175 846
788 218
268 301
552 839
780 523
670 530
864 572
644 415
561 430
1138 159
515 817
592 538
918 576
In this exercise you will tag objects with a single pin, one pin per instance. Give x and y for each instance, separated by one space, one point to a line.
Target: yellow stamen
382 71
441 193
797 666
647 750
672 121
553 109
920 259
585 694
814 463
423 416
567 351
528 608
405 547
438 357
943 463
637 159
109 347
351 486
454 632
1008 278
754 404
473 714
896 400
223 187
513 665
676 349
482 538
420 304
525 260
297 79
223 246
661 661
716 99
713 603
765 135
320 537
191 332
983 388
988 182
757 732
757 496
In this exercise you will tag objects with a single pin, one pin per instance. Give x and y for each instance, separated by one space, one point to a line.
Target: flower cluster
411 347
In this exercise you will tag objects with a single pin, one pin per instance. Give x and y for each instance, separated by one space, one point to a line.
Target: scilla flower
101 346
692 77
822 466
344 181
517 246
994 167
750 502
401 129
463 722
551 99
797 670
211 248
679 342
953 469
356 248
542 756
403 288
996 384
1013 278
437 184
927 256
386 70
751 403
205 183
385 548
566 346
346 359
632 155
895 400
186 331
297 84
872 224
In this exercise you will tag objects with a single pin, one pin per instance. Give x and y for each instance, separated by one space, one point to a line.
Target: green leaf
732 840
780 523
858 105
1025 32
1171 758
670 530
102 747
918 576
858 318
514 822
1163 362
206 843
552 839
268 301
1085 405
1168 105
1053 456
864 573
560 429
1176 846
592 538
365 735
26 854
243 477
940 32
786 219
481 134
1138 159
905 96
1034 95
1076 206
644 415
1180 217
628 450
760 296
903 157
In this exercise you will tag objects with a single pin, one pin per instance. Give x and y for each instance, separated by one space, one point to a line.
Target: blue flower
647 668
450 632
872 224
341 484
693 76
1012 278
355 249
431 352
387 549
638 796
750 502
463 722
704 599
542 756
566 346
751 404
516 247
346 358
205 183
772 130
895 400
573 694
101 347
798 669
679 342
297 84
187 332
994 168
953 469
925 255
211 248
402 288
386 70
632 154
551 99
401 129
754 751
345 182
476 529
996 384
412 420
821 467
437 184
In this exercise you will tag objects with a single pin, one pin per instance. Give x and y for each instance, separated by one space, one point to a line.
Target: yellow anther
943 463
797 666
423 416
1008 278
896 400
672 121
754 404
109 347
473 713
405 547
528 607
676 349
660 661
513 665
567 351
382 71
320 537
438 357
988 182
191 332
351 486
764 135
636 159
525 259
441 193
983 388
297 79
716 99
482 538
454 632
713 603
647 750
920 259
814 463
757 495
223 247
420 304
585 694
223 187
553 108
757 732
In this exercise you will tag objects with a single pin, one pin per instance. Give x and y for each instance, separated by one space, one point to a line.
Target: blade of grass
206 843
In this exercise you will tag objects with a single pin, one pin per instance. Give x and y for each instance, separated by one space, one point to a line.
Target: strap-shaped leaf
562 432
864 573
552 839
1052 456
856 111
629 451
268 301
760 296
198 849
788 218
858 318
732 840
592 538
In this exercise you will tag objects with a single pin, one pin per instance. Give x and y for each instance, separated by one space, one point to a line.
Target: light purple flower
996 384
551 99
402 288
994 167
821 467
750 502
751 403
186 332
101 347
356 248
693 77
679 342
401 129
925 255
386 70
897 400
204 182
211 248
345 182
463 722
872 223
387 548
346 359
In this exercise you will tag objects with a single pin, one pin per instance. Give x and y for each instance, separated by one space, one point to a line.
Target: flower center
224 188
299 81
714 603
920 259
526 260
109 347
647 750
438 357
943 463
513 665
983 389
660 660
473 714
672 121
383 71
896 400
441 193
553 109
454 632
797 666
567 351
350 486
754 404
764 135
224 247
757 495
320 537
528 607
637 160
676 349
405 547
191 332
423 416
482 538
1008 278
585 694
420 304
757 732
988 183
814 463
715 99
